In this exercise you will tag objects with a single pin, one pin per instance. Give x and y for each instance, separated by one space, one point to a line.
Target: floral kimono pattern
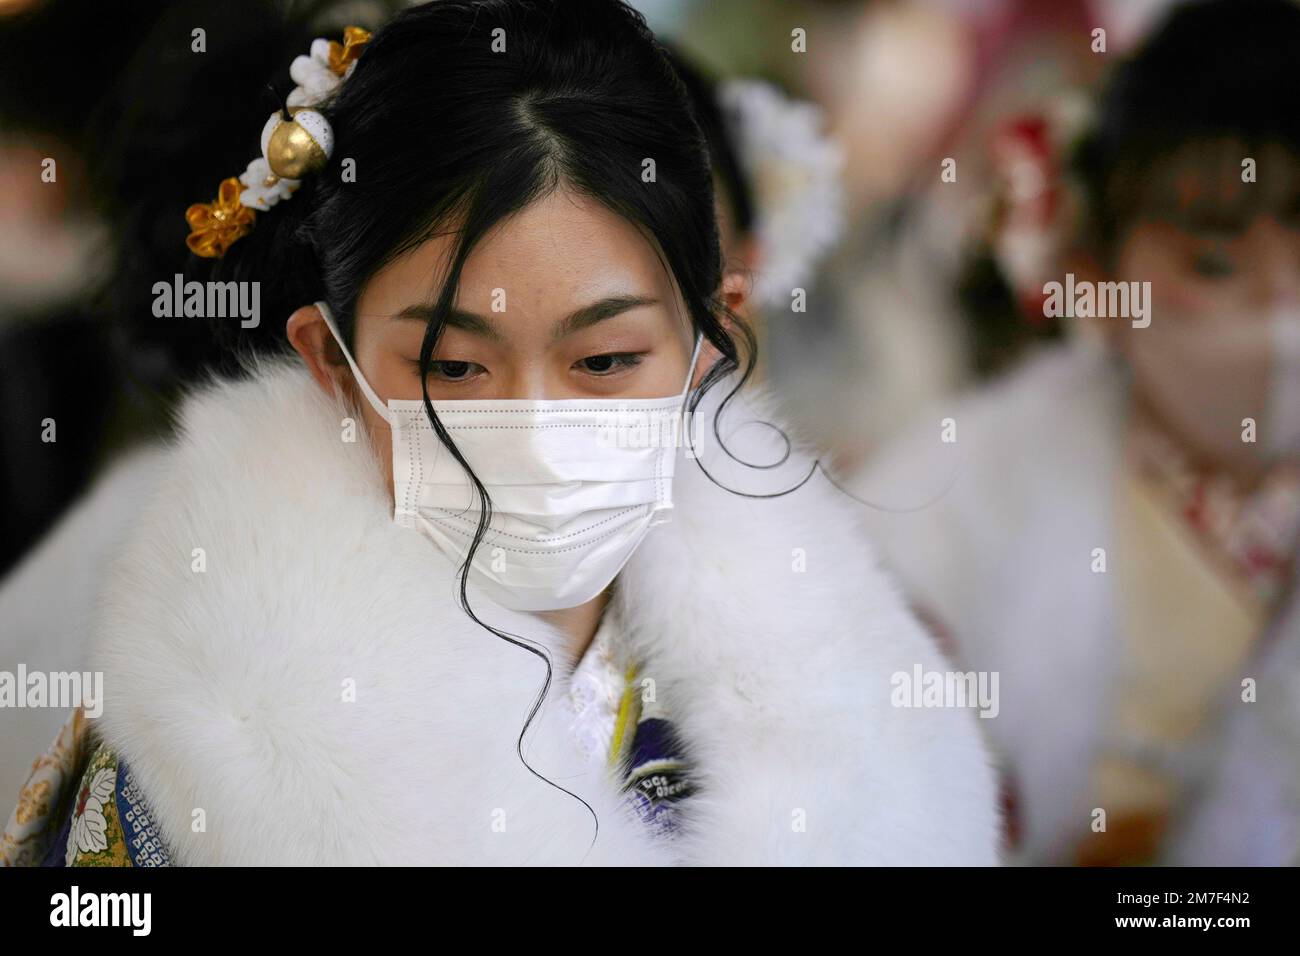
81 807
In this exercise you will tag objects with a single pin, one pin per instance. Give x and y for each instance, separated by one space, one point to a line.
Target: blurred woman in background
1113 526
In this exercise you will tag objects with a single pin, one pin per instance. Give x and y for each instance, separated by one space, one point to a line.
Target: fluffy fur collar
225 688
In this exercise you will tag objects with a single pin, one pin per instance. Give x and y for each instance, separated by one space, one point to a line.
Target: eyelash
436 365
621 360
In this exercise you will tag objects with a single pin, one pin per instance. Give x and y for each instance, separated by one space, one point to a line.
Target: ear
311 338
735 292
735 288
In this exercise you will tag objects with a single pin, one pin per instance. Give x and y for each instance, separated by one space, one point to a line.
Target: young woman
1115 529
502 564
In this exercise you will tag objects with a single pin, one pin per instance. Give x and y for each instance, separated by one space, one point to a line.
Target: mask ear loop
690 372
682 424
380 408
671 449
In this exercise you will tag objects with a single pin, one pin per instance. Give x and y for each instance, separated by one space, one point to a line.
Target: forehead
564 249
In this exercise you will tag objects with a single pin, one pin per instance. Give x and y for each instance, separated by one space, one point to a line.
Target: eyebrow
575 321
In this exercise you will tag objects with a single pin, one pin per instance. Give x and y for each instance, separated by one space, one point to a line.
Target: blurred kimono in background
1111 525
1121 688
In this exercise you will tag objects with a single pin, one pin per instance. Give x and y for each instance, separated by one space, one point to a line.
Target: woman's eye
453 371
1213 265
606 364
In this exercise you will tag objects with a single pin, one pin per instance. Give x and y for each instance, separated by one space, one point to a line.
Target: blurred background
868 228
899 179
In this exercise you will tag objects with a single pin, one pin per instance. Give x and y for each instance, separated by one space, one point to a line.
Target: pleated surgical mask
575 484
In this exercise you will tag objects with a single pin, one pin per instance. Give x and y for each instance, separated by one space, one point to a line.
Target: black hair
1212 71
168 129
717 126
450 134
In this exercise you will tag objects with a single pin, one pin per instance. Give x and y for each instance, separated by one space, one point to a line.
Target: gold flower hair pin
296 142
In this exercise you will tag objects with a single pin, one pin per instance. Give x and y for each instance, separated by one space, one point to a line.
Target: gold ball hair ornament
298 146
296 142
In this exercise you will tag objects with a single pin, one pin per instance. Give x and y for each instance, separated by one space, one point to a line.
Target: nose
529 381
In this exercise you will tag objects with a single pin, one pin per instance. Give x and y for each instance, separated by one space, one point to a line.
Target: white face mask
575 484
1205 377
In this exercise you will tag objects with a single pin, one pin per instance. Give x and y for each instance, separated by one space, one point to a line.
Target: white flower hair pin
796 172
296 142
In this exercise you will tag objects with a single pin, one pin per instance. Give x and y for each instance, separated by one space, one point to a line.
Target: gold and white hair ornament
296 142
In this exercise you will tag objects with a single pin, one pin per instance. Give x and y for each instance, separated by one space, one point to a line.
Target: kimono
1138 623
289 677
81 807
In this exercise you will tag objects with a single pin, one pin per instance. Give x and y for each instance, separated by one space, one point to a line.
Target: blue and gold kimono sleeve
80 806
